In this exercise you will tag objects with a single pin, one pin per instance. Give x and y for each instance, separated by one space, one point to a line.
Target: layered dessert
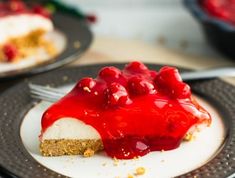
22 31
127 113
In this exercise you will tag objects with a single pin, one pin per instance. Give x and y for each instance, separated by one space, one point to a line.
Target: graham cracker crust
28 44
59 147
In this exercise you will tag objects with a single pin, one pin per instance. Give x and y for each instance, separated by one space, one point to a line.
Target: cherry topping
86 84
38 9
168 75
116 95
16 6
12 7
109 73
153 73
182 90
169 81
151 111
112 74
127 147
136 67
140 86
10 52
222 9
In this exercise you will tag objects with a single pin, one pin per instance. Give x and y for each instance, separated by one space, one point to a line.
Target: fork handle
209 73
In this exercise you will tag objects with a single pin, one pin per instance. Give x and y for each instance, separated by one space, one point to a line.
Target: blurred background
165 23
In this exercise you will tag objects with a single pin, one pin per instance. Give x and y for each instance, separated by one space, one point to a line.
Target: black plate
15 103
75 30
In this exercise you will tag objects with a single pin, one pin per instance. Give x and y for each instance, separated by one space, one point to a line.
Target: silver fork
52 94
45 93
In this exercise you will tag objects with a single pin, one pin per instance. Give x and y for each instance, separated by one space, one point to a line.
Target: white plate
189 156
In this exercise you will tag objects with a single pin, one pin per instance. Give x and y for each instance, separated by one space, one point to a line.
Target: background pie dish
216 92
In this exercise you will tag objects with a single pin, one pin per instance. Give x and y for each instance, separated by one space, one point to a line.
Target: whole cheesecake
127 113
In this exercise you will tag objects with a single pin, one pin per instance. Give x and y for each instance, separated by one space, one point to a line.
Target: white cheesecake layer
19 25
70 128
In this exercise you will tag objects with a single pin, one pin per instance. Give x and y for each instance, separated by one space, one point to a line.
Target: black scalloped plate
15 103
75 30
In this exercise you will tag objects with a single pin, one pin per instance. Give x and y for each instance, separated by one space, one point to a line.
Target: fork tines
45 93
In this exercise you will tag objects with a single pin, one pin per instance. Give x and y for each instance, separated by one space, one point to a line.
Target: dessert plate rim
16 161
74 30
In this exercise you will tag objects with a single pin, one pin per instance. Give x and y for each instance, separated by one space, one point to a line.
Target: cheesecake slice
70 136
127 113
23 30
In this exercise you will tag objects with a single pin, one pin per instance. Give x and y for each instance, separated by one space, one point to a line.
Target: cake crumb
88 153
116 161
136 158
104 164
65 78
77 44
130 176
189 137
139 171
87 89
162 160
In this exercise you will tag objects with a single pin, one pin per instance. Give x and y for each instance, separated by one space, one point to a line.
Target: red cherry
140 86
10 51
38 9
112 74
181 90
16 6
170 74
169 81
91 18
86 84
153 73
116 95
136 67
109 72
2 6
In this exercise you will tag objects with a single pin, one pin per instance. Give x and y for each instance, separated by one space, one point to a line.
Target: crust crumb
189 137
136 158
77 44
130 176
88 153
116 161
87 89
65 78
140 171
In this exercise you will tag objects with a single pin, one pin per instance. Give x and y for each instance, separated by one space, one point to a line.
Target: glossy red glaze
135 110
17 7
223 9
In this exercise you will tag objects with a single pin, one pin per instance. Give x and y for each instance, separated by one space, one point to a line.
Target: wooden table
108 50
